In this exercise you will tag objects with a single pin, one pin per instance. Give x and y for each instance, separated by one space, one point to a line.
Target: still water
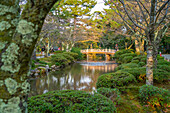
79 76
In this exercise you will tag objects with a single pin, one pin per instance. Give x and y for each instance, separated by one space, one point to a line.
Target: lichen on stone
2 45
11 85
4 25
9 58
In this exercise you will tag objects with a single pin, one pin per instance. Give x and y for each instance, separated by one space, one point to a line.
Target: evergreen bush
154 96
68 101
127 59
141 64
113 94
135 61
112 80
78 51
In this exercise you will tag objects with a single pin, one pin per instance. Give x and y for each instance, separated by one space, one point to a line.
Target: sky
99 6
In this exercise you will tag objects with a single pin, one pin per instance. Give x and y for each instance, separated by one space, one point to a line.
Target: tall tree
18 36
76 9
148 18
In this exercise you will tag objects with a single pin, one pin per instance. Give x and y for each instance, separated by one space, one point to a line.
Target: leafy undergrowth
70 101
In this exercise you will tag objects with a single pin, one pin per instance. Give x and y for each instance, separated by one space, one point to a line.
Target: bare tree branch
122 1
163 6
144 16
144 7
163 16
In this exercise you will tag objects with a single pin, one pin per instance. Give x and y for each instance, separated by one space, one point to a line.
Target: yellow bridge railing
107 51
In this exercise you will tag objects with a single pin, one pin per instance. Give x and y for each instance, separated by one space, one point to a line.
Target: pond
79 76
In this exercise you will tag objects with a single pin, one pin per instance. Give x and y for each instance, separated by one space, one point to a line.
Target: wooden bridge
107 52
98 51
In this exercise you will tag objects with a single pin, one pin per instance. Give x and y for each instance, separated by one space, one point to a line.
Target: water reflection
75 77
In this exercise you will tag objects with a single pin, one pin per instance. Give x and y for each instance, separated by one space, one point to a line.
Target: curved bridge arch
107 52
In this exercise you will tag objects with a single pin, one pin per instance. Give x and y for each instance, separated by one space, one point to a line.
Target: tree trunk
149 66
142 46
137 46
48 47
34 55
17 41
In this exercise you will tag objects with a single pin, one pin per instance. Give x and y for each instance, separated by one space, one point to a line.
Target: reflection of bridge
107 52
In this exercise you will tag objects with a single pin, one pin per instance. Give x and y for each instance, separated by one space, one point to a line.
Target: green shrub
128 55
68 101
141 64
41 65
135 61
154 96
125 66
129 65
139 57
75 55
143 60
78 51
68 57
136 72
121 52
42 62
37 60
127 59
113 94
160 57
33 64
112 80
57 64
58 58
160 75
164 67
58 51
163 62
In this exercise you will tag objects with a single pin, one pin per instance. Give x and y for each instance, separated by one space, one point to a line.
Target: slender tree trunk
137 46
34 55
48 47
149 66
142 45
17 41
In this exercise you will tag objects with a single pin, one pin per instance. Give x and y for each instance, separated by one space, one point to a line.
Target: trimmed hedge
127 59
163 62
126 56
135 61
164 67
136 72
75 55
141 64
154 96
113 94
78 51
59 58
121 52
160 75
68 101
112 80
125 66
